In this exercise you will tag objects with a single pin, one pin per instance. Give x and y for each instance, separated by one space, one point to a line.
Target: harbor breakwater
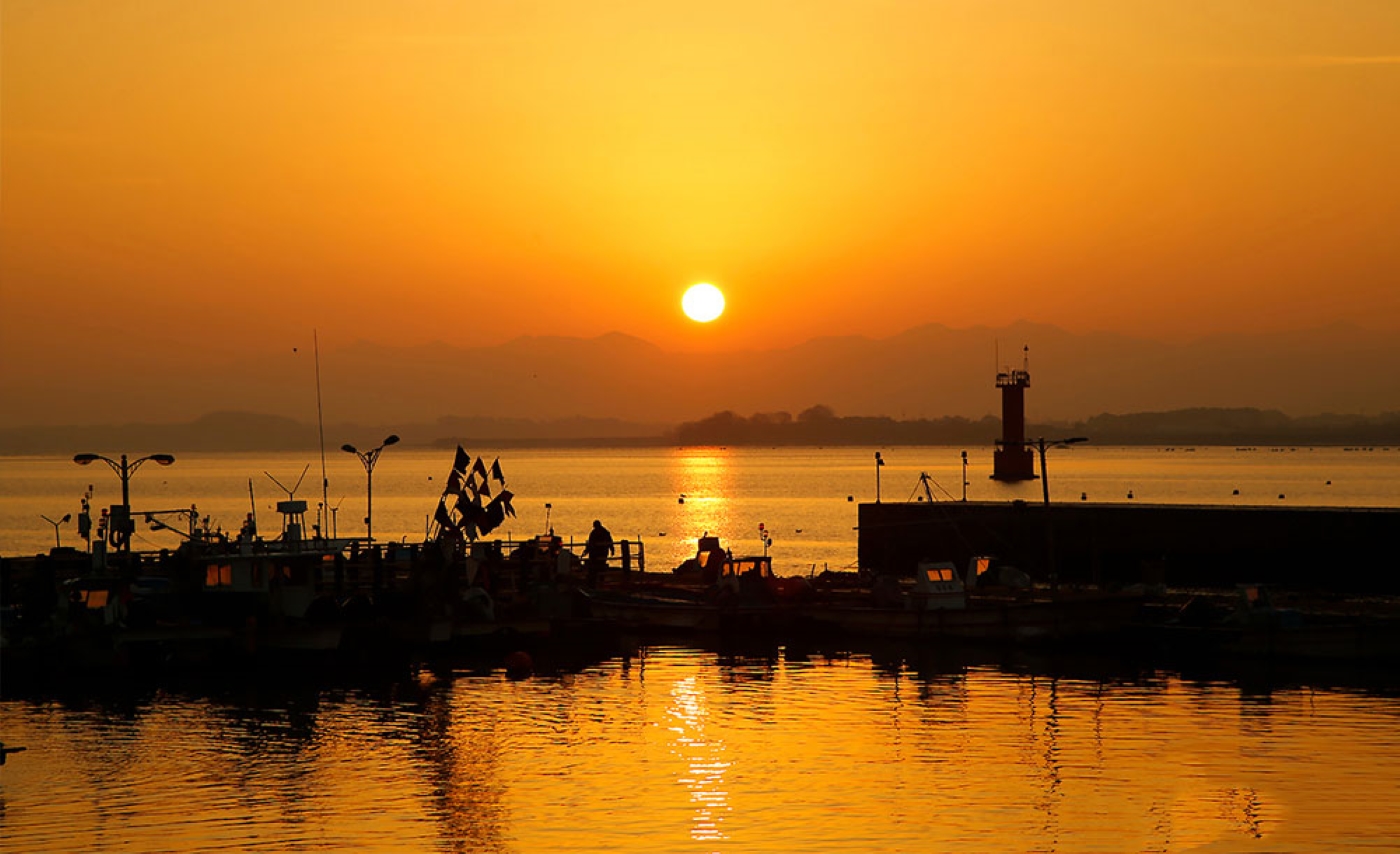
1342 550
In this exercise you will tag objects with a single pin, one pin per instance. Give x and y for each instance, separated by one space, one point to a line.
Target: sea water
805 498
656 747
690 749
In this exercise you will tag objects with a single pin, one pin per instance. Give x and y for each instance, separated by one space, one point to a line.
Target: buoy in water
519 664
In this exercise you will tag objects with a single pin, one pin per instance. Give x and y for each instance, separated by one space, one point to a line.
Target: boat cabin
937 586
749 577
97 601
287 573
757 566
708 562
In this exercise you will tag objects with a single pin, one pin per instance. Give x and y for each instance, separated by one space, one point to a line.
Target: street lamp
124 471
368 458
58 544
1043 444
879 463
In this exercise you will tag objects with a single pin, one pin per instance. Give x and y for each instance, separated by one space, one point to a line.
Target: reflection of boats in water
938 603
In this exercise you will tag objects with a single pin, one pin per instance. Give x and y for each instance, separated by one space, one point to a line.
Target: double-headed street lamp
124 471
368 458
1043 444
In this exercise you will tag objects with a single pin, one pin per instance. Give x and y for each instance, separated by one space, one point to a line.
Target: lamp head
349 449
85 459
163 459
392 439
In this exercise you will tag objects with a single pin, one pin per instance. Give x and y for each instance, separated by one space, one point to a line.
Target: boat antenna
321 426
291 493
252 503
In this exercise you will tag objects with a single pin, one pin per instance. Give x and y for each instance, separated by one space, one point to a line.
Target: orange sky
202 177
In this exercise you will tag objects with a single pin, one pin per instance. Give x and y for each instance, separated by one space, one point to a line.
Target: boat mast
321 426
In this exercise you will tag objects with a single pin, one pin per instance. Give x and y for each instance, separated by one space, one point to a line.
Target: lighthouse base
1014 462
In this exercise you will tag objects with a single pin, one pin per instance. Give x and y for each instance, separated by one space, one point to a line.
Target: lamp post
879 463
369 458
124 470
57 543
1043 444
1050 558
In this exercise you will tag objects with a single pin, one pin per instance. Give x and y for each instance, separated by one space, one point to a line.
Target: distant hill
930 371
817 425
246 431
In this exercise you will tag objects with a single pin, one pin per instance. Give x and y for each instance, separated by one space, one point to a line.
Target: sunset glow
172 167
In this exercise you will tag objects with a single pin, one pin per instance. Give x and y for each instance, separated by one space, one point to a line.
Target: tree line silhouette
819 425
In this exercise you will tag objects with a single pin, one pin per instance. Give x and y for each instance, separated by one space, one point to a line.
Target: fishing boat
938 602
745 596
1255 622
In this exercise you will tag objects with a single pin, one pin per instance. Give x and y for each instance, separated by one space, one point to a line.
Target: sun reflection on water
704 758
679 749
703 483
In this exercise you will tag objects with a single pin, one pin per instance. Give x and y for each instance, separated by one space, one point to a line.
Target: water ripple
679 749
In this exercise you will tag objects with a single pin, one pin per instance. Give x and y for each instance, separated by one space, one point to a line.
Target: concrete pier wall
1341 549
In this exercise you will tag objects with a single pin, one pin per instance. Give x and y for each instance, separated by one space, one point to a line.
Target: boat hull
1010 620
655 613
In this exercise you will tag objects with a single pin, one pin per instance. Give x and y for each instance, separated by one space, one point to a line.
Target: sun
703 303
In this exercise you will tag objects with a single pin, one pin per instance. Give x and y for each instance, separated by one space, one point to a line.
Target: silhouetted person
597 550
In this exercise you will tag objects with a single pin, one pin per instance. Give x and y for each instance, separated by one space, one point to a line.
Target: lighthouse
1013 459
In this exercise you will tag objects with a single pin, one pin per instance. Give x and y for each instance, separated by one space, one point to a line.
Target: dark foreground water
687 749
